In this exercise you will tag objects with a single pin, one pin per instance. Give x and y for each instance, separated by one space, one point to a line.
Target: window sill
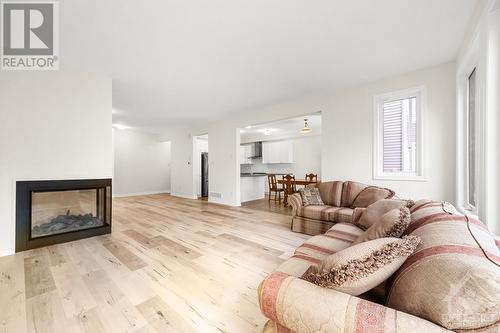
411 178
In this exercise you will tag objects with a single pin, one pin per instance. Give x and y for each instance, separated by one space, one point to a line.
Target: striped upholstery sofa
338 197
450 284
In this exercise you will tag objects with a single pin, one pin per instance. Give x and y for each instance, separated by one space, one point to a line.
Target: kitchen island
253 186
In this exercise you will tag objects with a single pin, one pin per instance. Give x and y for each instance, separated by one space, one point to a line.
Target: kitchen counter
253 175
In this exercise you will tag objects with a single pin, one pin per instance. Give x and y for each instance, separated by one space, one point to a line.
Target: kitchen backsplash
265 168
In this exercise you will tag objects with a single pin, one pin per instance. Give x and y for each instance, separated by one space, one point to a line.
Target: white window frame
471 60
470 208
420 93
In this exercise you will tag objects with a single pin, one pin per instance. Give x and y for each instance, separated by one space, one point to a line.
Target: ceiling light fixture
248 127
267 131
306 128
120 127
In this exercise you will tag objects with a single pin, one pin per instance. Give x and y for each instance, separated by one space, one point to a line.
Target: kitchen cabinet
277 152
246 151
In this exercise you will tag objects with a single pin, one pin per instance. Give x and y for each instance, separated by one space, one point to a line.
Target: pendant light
306 128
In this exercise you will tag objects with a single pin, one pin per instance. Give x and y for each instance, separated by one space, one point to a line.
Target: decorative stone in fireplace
56 211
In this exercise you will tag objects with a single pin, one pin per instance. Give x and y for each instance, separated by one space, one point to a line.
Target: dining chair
290 186
311 177
274 187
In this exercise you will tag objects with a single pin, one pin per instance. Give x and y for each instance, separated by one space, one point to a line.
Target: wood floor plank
57 255
38 277
144 240
123 254
175 247
73 292
44 313
112 303
81 258
163 318
87 321
12 294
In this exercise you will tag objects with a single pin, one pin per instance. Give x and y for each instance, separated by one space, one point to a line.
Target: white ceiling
181 62
283 129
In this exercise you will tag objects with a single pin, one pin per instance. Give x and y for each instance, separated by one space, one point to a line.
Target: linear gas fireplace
56 211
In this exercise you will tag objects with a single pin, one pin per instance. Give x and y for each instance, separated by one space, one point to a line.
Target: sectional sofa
450 283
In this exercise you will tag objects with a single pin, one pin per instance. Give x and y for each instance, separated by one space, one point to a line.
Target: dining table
303 182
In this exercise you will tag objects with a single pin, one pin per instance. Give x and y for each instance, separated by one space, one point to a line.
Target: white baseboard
184 196
6 253
225 203
122 195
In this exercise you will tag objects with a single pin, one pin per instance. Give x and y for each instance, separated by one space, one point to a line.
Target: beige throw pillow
311 197
370 195
363 266
391 224
374 212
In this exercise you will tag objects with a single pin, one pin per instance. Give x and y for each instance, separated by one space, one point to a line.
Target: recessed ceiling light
120 126
267 131
248 127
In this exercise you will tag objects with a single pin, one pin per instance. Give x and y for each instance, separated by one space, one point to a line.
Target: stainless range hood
257 150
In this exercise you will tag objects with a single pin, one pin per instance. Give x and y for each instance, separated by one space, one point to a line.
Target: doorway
204 175
201 166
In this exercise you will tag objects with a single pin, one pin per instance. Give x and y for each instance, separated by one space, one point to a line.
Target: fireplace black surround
57 211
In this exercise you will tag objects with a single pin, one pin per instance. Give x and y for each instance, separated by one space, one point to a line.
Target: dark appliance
204 175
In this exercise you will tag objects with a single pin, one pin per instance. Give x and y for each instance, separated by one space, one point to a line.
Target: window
471 141
398 138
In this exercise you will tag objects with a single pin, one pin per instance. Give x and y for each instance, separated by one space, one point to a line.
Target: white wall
348 133
307 159
141 163
182 180
224 165
481 50
53 125
492 212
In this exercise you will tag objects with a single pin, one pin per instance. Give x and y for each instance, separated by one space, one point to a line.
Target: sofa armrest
300 306
295 200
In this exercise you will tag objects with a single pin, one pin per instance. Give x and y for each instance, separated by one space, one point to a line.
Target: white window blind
399 127
398 141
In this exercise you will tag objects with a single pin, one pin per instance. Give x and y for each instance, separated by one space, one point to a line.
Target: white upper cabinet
246 151
277 152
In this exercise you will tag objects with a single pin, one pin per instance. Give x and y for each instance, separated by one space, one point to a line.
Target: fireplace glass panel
56 212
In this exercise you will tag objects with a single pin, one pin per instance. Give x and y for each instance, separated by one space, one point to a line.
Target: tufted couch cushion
316 248
350 190
370 195
331 192
372 213
453 278
327 213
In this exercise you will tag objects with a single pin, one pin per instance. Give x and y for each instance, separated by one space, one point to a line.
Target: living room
101 229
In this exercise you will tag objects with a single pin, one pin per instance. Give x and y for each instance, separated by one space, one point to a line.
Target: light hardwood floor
269 206
170 265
